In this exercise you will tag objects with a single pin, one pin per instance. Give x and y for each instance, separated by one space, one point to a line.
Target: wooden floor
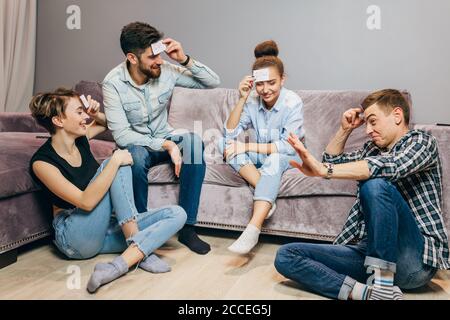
42 273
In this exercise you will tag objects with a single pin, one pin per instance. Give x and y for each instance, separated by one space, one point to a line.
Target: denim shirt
137 114
272 126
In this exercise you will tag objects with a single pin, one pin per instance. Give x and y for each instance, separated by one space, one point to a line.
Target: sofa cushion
17 150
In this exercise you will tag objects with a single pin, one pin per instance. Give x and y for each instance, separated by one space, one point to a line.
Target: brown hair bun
266 48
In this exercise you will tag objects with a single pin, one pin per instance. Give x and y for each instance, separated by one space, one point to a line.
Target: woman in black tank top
84 195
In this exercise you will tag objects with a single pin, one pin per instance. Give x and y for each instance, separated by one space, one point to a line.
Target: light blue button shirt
137 114
274 125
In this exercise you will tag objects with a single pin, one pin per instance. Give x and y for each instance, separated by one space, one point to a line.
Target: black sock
188 237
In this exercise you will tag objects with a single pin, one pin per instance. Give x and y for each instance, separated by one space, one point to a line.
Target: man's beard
150 73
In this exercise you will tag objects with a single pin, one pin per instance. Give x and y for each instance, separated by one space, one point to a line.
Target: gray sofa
309 208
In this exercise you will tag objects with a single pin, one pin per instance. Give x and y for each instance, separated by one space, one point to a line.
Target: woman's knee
179 214
125 171
176 214
275 164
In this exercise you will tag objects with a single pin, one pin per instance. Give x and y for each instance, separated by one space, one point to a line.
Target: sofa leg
8 258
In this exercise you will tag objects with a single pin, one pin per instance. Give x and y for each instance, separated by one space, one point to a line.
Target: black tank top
79 176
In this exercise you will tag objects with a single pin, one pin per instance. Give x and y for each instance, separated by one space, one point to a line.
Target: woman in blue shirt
272 111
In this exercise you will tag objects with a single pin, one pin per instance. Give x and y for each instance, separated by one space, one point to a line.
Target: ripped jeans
271 168
81 234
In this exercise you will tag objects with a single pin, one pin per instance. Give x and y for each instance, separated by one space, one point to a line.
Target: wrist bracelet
185 63
329 167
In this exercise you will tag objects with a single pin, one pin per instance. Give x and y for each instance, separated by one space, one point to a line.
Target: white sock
360 291
247 240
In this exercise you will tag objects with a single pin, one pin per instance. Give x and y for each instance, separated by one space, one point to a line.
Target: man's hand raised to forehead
174 50
351 119
309 166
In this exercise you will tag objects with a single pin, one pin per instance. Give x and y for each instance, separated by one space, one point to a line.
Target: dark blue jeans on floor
394 242
191 175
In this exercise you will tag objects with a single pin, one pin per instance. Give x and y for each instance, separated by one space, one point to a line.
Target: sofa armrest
18 122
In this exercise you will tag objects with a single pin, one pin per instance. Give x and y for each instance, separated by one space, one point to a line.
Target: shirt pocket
133 110
164 97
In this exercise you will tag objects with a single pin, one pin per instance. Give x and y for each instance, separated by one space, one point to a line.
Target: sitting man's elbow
214 83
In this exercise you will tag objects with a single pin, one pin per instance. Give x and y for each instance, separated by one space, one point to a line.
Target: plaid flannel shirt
414 167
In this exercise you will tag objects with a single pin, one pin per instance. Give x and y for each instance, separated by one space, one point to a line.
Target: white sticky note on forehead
85 102
261 75
158 47
361 114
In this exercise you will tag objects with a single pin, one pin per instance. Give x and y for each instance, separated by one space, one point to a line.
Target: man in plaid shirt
396 221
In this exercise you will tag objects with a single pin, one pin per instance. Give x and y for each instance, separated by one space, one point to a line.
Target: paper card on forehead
361 114
158 47
85 102
261 75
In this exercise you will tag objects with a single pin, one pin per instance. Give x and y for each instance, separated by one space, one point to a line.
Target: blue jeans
191 176
271 167
82 235
394 242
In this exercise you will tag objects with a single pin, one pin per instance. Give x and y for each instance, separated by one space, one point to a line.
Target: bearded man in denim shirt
136 95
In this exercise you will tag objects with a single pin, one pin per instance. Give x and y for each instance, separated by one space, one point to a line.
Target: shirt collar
398 143
403 138
277 104
126 77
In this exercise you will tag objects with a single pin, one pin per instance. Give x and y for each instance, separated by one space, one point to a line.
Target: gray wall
325 44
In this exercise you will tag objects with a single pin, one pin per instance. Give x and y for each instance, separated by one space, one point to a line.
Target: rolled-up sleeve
420 154
197 76
343 157
294 124
245 122
118 123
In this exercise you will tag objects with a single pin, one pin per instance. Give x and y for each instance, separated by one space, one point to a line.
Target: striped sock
383 286
360 291
380 294
398 294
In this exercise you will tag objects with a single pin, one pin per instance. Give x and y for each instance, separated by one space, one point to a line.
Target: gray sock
154 264
107 272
